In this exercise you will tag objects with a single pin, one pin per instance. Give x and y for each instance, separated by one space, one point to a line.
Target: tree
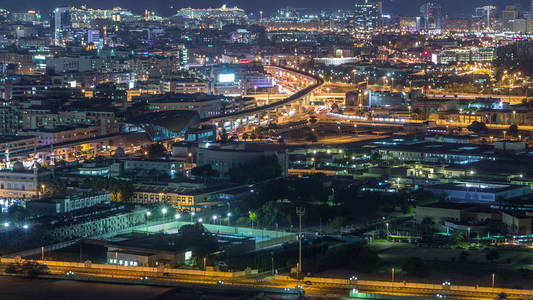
205 171
513 130
478 127
18 213
224 135
121 190
458 236
245 136
312 138
492 255
338 222
253 217
156 150
502 296
376 157
355 256
416 267
51 185
263 168
198 238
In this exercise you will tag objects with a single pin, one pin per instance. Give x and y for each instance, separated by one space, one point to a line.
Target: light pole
177 216
192 215
164 211
493 279
387 225
300 211
229 217
214 220
272 256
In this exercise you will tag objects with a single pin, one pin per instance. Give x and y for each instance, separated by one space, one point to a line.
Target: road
345 139
316 287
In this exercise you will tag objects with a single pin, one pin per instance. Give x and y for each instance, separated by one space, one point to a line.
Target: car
143 278
70 273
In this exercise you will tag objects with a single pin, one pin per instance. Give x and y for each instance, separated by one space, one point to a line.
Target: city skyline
355 149
456 8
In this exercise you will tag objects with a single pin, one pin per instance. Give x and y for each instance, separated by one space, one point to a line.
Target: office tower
483 17
430 17
367 15
530 18
60 23
509 15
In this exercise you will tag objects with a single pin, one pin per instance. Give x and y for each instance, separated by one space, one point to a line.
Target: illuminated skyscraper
509 15
367 15
60 23
483 17
431 16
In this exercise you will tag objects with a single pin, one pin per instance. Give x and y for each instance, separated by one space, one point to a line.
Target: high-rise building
367 15
509 15
60 23
483 17
431 17
530 18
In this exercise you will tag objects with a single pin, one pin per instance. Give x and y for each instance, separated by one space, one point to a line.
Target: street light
177 216
200 220
229 216
300 211
148 214
192 215
214 219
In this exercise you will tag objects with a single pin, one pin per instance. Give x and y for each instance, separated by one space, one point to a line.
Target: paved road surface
13 288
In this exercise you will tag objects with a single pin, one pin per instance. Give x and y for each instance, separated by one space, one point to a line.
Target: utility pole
300 211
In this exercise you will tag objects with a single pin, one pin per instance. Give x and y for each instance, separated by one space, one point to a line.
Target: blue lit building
367 15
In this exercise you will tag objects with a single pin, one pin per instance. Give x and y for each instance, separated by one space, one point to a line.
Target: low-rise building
478 192
66 204
224 158
97 221
62 134
187 196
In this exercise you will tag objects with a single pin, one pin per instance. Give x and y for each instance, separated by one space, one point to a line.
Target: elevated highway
298 78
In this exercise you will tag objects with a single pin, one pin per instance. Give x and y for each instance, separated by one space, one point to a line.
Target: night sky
163 7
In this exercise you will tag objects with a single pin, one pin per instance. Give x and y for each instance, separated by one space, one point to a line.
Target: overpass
304 94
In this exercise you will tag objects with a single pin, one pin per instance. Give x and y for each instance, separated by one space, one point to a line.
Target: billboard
226 78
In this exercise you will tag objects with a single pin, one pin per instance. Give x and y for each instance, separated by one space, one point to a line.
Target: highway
292 98
312 286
